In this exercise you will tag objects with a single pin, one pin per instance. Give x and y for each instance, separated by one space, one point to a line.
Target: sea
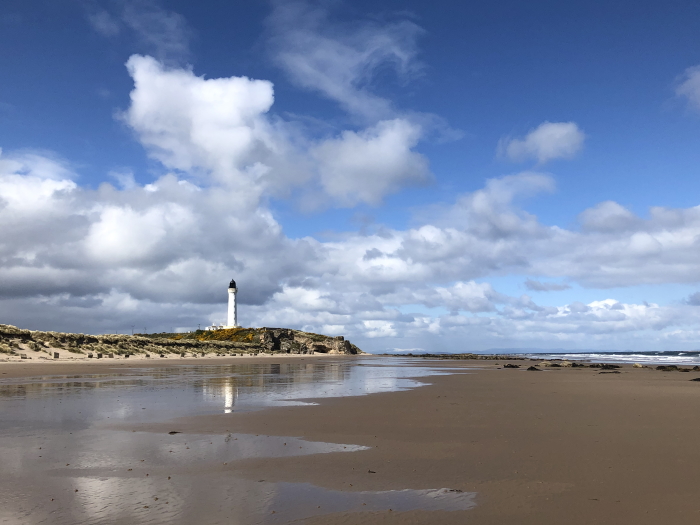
644 358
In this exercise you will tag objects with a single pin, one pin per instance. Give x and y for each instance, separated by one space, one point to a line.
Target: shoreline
26 368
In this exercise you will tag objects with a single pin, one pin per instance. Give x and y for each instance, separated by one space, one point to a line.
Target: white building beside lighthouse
232 321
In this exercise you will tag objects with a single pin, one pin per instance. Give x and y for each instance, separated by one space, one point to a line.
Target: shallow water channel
62 460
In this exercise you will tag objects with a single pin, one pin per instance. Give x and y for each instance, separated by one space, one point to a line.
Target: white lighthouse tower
232 321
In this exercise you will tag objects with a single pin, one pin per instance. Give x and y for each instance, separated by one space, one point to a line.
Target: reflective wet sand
567 445
72 449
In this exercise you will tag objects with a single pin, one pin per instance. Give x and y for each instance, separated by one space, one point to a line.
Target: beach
561 445
16 367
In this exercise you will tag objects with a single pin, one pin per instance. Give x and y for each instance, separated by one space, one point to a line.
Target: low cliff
272 340
15 341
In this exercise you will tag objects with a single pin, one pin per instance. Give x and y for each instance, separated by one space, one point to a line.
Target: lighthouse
232 321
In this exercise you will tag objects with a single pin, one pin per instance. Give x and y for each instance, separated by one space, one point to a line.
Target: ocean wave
649 358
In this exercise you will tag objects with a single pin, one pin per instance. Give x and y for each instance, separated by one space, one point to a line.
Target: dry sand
564 446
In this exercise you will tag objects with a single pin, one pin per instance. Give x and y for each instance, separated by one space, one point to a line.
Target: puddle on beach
62 460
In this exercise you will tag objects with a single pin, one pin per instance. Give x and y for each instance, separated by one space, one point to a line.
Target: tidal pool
63 460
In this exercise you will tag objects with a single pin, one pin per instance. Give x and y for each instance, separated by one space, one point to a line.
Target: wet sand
560 446
18 368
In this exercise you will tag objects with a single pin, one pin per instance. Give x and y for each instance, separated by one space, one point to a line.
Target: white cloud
124 177
95 260
217 130
366 166
124 237
98 260
339 60
608 216
689 86
188 122
548 141
379 329
220 131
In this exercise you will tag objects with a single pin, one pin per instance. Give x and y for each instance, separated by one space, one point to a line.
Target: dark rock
610 372
534 369
669 368
173 432
509 365
696 379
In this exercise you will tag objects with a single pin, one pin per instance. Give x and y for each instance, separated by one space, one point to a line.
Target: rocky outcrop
15 340
674 368
277 340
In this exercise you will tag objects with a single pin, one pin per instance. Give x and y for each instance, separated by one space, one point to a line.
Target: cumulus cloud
689 86
220 131
77 258
98 260
340 61
366 166
190 123
608 216
548 141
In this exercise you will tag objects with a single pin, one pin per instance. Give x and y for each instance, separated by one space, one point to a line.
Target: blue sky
411 175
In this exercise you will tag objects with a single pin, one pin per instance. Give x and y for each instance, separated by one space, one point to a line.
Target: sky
439 177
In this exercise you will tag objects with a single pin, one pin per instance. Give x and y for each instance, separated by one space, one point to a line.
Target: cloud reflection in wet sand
63 462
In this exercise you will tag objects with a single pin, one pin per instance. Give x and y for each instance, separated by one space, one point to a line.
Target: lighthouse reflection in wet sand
232 321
